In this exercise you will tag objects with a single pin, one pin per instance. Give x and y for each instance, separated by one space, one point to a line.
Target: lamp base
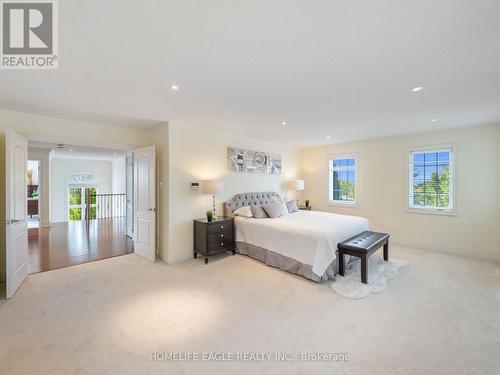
213 208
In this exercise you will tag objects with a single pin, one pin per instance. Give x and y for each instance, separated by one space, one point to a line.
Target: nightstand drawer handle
222 243
222 227
221 236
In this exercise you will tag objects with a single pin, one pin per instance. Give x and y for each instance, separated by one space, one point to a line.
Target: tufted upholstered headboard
247 199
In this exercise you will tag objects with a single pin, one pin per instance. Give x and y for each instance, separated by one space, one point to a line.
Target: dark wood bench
362 246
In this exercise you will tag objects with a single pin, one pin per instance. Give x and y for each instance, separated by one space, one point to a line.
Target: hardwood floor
68 244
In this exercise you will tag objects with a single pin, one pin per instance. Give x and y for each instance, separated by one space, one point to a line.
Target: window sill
431 211
343 204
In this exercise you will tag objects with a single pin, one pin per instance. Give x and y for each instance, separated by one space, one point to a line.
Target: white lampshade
297 185
212 187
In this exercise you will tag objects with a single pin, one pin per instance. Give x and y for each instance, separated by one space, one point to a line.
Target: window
77 203
431 180
79 185
342 180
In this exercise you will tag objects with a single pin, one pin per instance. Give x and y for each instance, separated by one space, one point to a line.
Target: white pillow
245 211
282 203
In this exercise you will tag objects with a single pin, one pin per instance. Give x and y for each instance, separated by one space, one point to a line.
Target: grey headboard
247 199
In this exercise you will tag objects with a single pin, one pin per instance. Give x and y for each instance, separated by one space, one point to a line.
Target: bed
303 242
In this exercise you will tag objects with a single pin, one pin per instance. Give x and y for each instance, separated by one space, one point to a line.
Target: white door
16 157
145 202
129 214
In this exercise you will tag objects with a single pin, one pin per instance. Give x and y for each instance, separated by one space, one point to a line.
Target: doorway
87 208
33 193
98 227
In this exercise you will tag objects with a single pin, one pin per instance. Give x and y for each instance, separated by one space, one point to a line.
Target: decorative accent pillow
258 212
273 209
281 202
292 206
245 211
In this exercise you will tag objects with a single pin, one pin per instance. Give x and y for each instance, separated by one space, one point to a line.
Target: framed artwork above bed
241 160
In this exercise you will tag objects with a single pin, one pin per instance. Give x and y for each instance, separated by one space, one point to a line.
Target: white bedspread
310 237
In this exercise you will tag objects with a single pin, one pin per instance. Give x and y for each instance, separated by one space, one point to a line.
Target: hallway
68 244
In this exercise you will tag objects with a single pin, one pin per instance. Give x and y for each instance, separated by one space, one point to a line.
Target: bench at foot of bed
362 246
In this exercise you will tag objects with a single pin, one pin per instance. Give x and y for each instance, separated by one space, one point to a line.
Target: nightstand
213 237
305 208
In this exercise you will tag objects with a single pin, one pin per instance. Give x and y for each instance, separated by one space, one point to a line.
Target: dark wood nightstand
305 208
213 237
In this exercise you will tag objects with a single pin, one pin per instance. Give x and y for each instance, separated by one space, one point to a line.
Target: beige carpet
440 316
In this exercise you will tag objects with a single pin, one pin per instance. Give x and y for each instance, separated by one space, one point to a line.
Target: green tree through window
77 202
430 179
342 184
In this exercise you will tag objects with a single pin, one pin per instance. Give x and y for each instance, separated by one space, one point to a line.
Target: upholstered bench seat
362 246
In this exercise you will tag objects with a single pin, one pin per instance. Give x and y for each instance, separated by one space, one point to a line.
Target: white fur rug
379 272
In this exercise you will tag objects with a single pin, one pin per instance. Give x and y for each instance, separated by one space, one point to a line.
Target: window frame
340 203
83 199
452 148
81 185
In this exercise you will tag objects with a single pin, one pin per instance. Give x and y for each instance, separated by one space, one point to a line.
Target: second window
342 180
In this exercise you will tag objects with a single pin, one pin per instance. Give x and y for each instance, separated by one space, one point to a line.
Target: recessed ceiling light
283 123
70 150
417 89
327 137
434 120
174 87
114 153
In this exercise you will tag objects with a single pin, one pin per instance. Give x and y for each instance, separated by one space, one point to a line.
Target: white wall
118 177
199 153
383 189
61 169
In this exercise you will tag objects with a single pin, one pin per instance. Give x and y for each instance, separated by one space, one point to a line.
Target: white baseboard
177 258
447 249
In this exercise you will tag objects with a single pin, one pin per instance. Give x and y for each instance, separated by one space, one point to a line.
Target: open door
129 213
16 157
145 202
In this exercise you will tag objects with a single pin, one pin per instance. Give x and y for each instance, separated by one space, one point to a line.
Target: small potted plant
307 202
210 216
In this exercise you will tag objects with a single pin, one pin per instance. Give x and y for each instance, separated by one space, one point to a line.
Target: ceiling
342 69
65 151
